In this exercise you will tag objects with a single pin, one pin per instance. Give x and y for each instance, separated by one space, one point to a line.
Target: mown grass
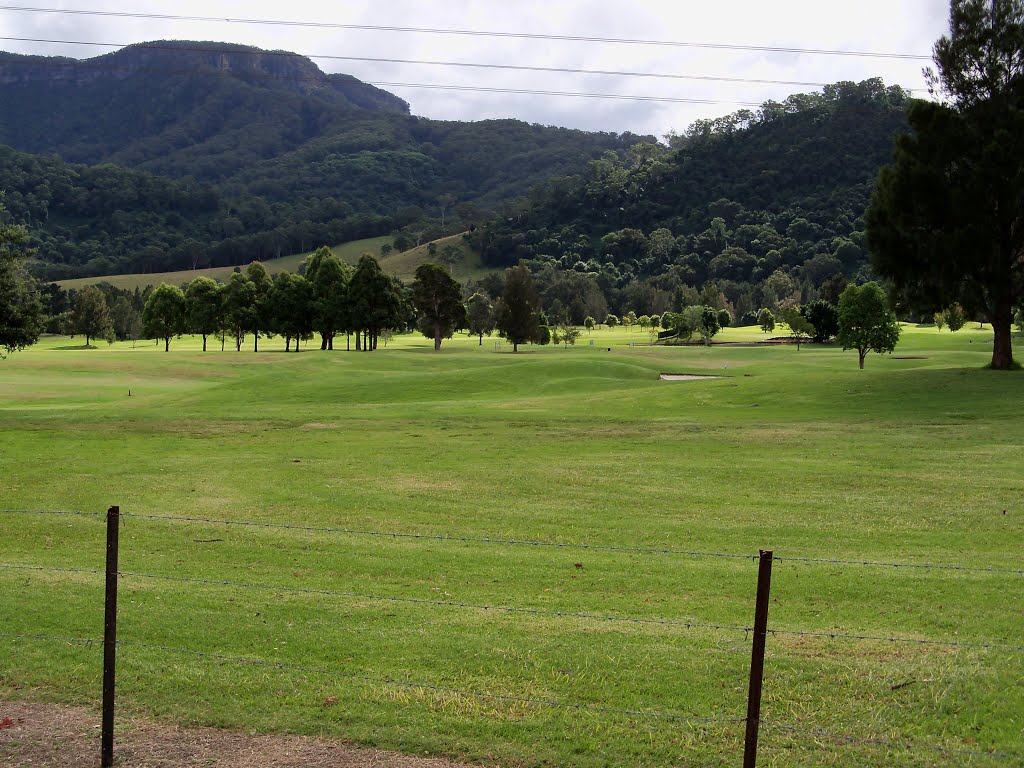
912 460
400 263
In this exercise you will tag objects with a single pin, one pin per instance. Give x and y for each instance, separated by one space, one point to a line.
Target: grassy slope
909 460
402 264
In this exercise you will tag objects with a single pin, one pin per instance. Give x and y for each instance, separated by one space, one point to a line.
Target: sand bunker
686 377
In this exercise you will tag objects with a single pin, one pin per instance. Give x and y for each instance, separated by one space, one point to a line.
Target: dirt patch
50 736
687 377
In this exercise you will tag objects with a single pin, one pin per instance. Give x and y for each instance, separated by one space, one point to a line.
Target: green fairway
916 459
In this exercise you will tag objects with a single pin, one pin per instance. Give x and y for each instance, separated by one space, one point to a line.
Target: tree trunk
287 343
375 337
437 337
862 353
323 341
359 342
87 341
204 342
223 337
255 342
515 346
481 340
1001 318
167 343
348 341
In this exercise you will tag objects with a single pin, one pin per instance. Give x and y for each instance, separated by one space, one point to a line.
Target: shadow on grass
79 347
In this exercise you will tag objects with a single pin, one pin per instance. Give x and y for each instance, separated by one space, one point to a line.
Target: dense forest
753 209
269 156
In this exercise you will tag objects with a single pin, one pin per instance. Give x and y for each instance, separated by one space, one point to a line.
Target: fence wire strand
528 611
50 512
909 640
87 641
48 569
441 603
445 537
534 543
883 564
553 703
905 745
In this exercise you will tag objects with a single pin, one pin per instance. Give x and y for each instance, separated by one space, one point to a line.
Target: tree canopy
20 306
163 317
437 298
518 320
865 321
946 223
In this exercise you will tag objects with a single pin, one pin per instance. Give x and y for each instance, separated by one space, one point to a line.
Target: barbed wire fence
758 633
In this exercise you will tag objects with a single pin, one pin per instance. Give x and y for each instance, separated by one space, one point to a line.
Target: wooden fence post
109 640
764 581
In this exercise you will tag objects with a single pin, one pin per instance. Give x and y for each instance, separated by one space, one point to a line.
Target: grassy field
916 459
402 263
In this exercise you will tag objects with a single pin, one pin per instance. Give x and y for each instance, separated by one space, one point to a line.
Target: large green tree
90 315
480 316
163 317
376 302
204 307
262 284
21 310
437 297
518 320
329 278
240 307
946 223
865 321
291 308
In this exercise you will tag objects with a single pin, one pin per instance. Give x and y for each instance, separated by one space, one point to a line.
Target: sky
878 26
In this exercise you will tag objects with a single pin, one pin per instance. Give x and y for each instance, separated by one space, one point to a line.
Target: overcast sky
884 26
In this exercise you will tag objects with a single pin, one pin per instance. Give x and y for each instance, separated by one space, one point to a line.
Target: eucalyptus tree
163 317
21 310
437 297
376 303
291 308
262 284
240 308
480 316
329 278
90 315
946 223
204 307
518 321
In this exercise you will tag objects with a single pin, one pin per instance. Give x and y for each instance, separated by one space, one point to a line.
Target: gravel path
51 736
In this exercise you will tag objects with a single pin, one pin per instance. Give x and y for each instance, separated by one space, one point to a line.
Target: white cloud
910 26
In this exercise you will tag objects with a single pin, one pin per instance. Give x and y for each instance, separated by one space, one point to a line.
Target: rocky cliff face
275 70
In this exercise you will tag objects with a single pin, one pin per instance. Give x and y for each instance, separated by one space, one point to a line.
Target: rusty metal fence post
109 640
764 581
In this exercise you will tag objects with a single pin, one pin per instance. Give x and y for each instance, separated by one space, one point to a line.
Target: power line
475 33
89 65
427 62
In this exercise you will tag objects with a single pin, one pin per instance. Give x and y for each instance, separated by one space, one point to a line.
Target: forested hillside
265 147
105 219
753 207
